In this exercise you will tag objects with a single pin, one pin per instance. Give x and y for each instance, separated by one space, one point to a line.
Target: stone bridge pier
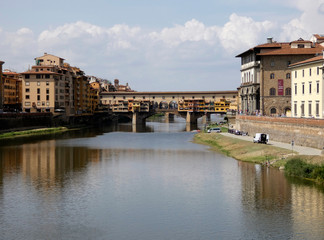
191 117
140 117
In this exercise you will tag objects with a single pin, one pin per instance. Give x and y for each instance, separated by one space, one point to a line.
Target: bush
299 168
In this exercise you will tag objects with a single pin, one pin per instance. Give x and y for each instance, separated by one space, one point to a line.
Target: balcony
250 65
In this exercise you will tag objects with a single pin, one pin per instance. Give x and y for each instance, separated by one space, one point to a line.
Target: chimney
269 40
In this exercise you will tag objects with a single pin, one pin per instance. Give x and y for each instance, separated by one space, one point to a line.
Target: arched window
273 111
288 91
272 91
272 76
288 76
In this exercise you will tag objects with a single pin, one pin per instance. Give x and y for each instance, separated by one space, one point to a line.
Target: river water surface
152 183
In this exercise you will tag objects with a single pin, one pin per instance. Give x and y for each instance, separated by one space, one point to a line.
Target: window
272 64
272 91
38 83
38 97
27 97
273 111
302 108
317 70
317 86
295 74
38 90
288 91
303 88
27 76
301 46
27 103
27 90
47 83
310 87
47 76
295 88
317 108
310 108
38 103
288 76
272 76
47 97
47 90
303 73
295 108
27 83
310 72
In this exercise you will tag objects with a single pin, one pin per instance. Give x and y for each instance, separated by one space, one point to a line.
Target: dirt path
300 149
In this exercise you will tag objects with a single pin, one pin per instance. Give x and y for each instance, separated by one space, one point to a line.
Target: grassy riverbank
33 132
241 150
310 167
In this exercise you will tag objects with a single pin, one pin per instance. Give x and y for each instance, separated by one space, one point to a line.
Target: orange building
12 95
1 86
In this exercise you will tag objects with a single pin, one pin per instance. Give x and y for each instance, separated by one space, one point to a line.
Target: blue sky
152 45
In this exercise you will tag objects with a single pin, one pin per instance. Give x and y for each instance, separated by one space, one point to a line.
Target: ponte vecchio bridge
190 105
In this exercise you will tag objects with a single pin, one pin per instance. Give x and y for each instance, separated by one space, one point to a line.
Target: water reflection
152 185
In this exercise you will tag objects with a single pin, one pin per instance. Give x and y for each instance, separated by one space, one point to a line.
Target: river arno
153 184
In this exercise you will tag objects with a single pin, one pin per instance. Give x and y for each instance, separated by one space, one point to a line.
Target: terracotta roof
310 60
294 51
270 45
319 37
10 73
42 72
45 54
171 93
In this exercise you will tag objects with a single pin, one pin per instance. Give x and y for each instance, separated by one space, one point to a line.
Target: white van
261 138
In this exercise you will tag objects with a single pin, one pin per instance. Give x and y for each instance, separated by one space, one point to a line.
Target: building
12 93
1 86
48 86
121 88
307 88
266 78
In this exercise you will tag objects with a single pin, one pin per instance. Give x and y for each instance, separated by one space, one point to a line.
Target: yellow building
307 88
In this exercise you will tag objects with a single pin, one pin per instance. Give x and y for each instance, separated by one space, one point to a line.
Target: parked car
217 130
261 138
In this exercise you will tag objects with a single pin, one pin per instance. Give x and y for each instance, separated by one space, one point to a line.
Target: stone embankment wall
10 121
303 131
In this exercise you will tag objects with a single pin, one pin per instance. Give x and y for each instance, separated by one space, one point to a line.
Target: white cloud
191 31
243 32
308 23
181 57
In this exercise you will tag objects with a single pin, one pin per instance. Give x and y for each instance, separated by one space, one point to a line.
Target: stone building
54 86
48 86
265 76
308 88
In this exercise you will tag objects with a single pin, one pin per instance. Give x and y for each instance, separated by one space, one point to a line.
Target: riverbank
32 132
248 151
